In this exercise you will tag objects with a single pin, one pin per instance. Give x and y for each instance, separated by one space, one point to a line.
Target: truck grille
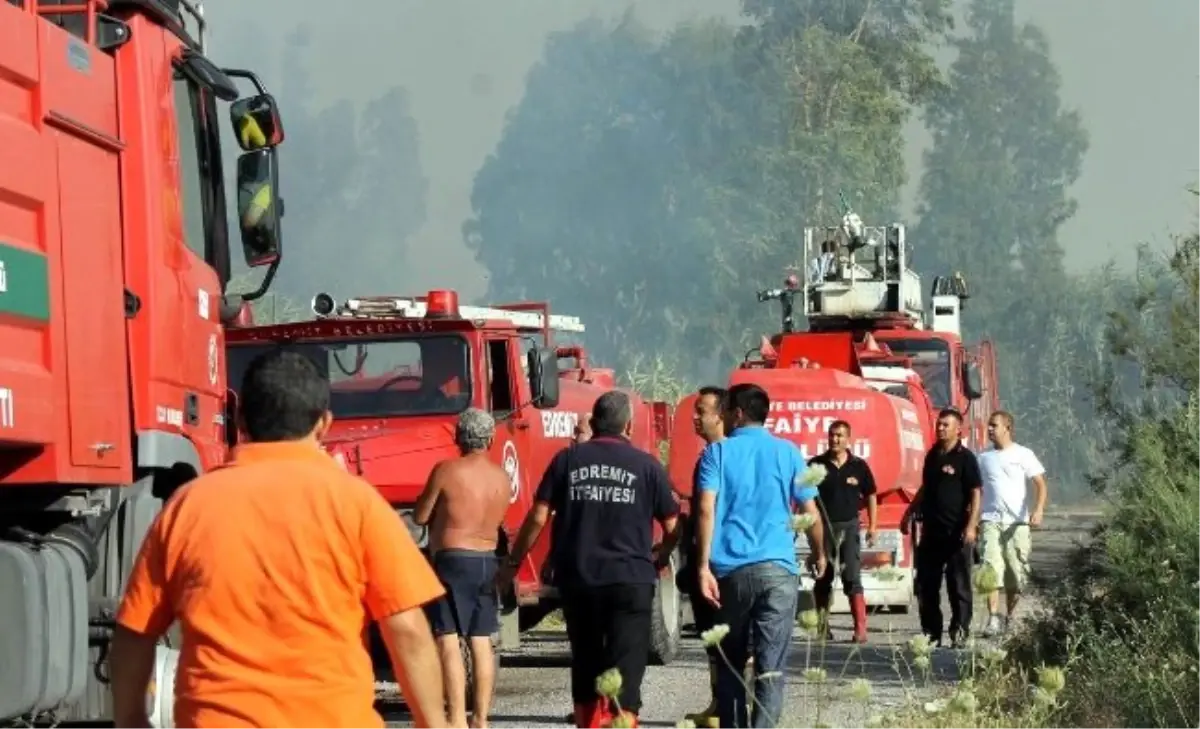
888 541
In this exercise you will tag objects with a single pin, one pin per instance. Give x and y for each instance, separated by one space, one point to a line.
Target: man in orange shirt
274 564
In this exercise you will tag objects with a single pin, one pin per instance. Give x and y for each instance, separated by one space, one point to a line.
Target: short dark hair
611 412
751 399
1009 421
950 413
283 396
720 393
840 424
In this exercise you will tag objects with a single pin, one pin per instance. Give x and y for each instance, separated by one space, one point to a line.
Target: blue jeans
758 603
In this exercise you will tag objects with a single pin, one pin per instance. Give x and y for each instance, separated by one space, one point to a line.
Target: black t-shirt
844 487
605 494
948 479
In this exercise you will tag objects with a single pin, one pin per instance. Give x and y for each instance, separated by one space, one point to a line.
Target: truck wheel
666 626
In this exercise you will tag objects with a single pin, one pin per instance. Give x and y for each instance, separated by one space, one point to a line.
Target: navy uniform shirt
606 494
845 487
948 480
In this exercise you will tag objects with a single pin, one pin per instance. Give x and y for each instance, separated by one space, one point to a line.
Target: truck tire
666 621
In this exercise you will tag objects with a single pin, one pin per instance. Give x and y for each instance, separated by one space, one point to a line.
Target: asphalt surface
533 684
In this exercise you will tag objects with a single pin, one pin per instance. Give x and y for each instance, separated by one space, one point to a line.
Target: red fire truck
114 257
402 368
871 356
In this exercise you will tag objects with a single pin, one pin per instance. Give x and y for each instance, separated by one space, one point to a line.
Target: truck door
91 265
511 448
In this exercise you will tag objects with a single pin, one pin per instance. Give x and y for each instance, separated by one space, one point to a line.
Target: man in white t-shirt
1005 515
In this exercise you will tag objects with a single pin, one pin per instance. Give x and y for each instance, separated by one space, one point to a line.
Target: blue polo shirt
757 480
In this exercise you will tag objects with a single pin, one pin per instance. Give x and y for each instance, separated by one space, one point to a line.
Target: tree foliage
994 194
653 184
1126 617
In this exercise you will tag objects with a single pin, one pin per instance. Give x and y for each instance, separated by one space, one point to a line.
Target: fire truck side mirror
972 380
543 376
256 122
259 206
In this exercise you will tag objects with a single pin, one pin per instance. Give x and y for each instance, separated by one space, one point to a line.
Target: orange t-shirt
274 564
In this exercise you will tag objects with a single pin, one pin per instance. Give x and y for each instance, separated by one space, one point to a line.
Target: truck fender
160 449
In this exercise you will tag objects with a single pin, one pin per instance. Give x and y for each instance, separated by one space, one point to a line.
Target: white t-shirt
1006 473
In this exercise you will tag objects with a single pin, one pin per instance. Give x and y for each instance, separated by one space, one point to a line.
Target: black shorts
470 607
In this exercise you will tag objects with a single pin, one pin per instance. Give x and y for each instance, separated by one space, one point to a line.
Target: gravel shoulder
532 687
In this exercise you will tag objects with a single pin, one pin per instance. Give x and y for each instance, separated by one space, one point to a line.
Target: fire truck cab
114 260
402 368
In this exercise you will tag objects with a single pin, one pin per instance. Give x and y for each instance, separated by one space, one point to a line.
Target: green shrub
1124 620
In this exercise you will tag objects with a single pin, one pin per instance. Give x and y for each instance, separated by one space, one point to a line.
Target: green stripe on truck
24 283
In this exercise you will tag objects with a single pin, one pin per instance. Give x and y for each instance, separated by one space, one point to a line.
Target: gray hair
611 413
475 430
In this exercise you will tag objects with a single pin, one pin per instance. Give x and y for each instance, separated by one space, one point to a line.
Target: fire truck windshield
930 360
379 378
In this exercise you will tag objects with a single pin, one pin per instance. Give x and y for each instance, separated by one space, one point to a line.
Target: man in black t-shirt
604 495
947 505
848 484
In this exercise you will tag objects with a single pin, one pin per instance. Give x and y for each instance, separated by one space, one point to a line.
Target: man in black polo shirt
848 483
947 505
605 495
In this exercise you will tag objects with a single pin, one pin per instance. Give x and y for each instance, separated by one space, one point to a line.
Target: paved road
533 688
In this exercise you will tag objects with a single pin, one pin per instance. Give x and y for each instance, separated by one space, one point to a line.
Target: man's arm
869 493
816 532
708 480
144 616
666 512
1035 471
423 511
973 482
399 582
548 494
915 506
1039 499
418 667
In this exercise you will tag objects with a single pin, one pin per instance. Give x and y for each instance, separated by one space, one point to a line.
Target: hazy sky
1130 66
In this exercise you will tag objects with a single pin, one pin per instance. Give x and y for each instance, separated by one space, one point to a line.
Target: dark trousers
608 627
938 555
758 603
703 612
849 558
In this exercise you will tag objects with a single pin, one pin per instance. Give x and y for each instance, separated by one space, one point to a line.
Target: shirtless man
464 504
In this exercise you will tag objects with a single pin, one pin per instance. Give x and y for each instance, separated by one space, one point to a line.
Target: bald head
475 430
611 414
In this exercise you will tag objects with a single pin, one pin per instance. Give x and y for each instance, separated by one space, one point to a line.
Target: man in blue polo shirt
751 484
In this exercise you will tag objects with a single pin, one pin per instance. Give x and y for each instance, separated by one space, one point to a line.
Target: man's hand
662 559
1035 519
872 532
708 586
970 535
816 564
505 575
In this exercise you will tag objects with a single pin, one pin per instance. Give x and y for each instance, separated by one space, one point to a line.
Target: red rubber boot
858 608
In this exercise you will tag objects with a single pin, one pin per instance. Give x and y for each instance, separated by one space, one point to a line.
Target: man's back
755 475
473 499
606 494
268 564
